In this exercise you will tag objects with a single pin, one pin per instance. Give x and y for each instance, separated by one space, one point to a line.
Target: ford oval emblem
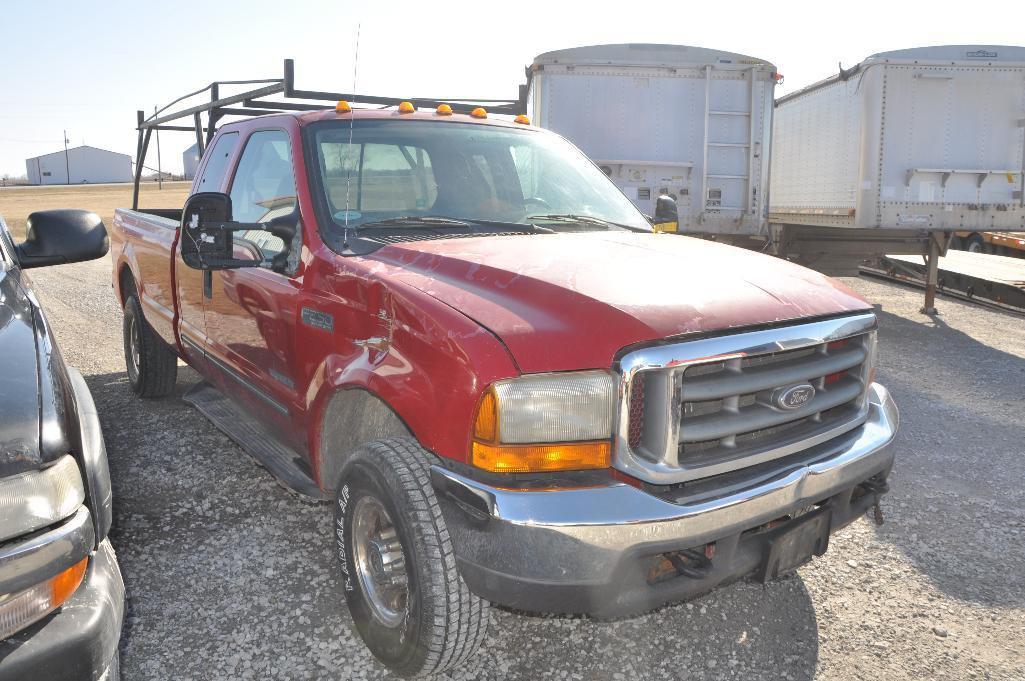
793 397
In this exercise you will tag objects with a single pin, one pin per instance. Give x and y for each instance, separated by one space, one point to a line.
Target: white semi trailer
898 152
689 122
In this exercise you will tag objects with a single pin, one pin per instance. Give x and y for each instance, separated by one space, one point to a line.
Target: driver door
251 312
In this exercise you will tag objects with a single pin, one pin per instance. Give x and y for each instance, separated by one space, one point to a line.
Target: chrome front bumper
580 549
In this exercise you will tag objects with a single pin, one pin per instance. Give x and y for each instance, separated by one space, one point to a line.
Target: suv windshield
394 172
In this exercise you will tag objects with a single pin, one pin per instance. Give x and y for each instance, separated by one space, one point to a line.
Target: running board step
284 463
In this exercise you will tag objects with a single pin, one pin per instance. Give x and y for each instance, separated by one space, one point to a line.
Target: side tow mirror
206 238
56 237
666 215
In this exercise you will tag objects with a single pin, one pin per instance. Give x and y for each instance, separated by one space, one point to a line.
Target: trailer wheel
975 244
404 592
152 366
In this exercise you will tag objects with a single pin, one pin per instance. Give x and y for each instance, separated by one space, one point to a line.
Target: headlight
546 422
32 500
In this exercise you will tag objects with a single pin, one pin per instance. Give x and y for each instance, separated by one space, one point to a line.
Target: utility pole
67 164
160 172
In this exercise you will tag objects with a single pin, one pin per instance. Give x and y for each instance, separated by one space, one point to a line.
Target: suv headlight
545 422
29 501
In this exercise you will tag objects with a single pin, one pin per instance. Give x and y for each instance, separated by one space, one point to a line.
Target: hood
572 301
19 398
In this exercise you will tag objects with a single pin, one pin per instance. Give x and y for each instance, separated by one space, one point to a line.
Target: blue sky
88 66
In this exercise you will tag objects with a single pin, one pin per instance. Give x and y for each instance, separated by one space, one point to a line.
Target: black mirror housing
207 238
665 209
206 241
57 237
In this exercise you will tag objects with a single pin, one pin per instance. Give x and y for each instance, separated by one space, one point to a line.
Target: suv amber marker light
343 106
19 610
444 110
522 120
479 112
406 107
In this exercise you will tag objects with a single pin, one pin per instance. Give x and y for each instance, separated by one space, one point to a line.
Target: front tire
403 588
152 365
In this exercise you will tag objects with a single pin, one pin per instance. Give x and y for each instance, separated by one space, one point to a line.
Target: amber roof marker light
406 108
522 119
444 110
343 107
479 112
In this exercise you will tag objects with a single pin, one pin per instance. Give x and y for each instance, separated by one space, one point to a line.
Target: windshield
477 174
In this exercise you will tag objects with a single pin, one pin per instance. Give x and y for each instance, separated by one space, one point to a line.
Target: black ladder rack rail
252 103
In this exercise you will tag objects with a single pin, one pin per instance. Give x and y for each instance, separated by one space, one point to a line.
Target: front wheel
407 599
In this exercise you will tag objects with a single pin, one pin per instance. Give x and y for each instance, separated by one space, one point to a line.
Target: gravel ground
231 577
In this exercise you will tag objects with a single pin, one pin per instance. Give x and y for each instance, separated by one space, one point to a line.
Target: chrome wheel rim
380 563
133 346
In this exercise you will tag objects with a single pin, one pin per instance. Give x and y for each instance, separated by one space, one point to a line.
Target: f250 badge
793 397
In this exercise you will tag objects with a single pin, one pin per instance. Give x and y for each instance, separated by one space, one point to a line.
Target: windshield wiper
570 217
416 221
440 221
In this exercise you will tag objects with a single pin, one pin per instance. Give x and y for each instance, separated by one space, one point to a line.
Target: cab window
217 164
263 188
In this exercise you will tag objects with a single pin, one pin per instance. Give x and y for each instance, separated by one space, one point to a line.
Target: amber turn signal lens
65 584
479 112
522 120
485 427
406 107
569 456
444 110
343 106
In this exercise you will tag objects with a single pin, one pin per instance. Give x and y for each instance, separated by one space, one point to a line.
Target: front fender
427 363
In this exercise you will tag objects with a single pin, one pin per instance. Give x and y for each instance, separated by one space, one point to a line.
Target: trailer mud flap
795 543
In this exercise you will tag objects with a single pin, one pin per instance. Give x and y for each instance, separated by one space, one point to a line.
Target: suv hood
572 301
19 398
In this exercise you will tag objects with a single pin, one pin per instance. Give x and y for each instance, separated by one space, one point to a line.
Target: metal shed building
85 164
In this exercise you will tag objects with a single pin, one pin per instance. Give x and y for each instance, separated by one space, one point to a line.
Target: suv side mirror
207 239
666 215
56 237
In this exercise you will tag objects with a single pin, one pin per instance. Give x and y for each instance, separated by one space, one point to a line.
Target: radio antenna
348 152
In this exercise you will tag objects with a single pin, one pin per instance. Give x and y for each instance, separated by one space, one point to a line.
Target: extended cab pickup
461 332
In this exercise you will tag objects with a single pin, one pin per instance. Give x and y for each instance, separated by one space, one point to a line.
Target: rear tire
975 244
404 591
152 365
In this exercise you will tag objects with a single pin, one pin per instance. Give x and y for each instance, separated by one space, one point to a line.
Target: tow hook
693 563
878 488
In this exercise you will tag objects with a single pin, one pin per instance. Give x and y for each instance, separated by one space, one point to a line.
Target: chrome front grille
712 405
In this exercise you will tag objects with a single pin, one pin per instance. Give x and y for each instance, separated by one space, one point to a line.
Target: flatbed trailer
1011 244
991 280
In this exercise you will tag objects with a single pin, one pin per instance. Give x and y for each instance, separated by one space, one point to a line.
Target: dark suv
61 593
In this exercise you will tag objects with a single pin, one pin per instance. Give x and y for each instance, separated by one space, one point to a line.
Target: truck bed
149 237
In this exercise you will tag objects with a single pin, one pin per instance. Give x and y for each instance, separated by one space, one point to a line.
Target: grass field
17 202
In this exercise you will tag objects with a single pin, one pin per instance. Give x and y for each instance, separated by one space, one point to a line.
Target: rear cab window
216 167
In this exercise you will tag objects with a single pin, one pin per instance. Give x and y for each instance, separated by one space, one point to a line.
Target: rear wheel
407 599
152 365
975 244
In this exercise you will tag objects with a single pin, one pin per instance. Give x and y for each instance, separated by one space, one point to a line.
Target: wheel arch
125 279
352 416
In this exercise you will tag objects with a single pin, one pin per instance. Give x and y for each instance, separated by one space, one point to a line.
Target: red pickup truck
462 333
